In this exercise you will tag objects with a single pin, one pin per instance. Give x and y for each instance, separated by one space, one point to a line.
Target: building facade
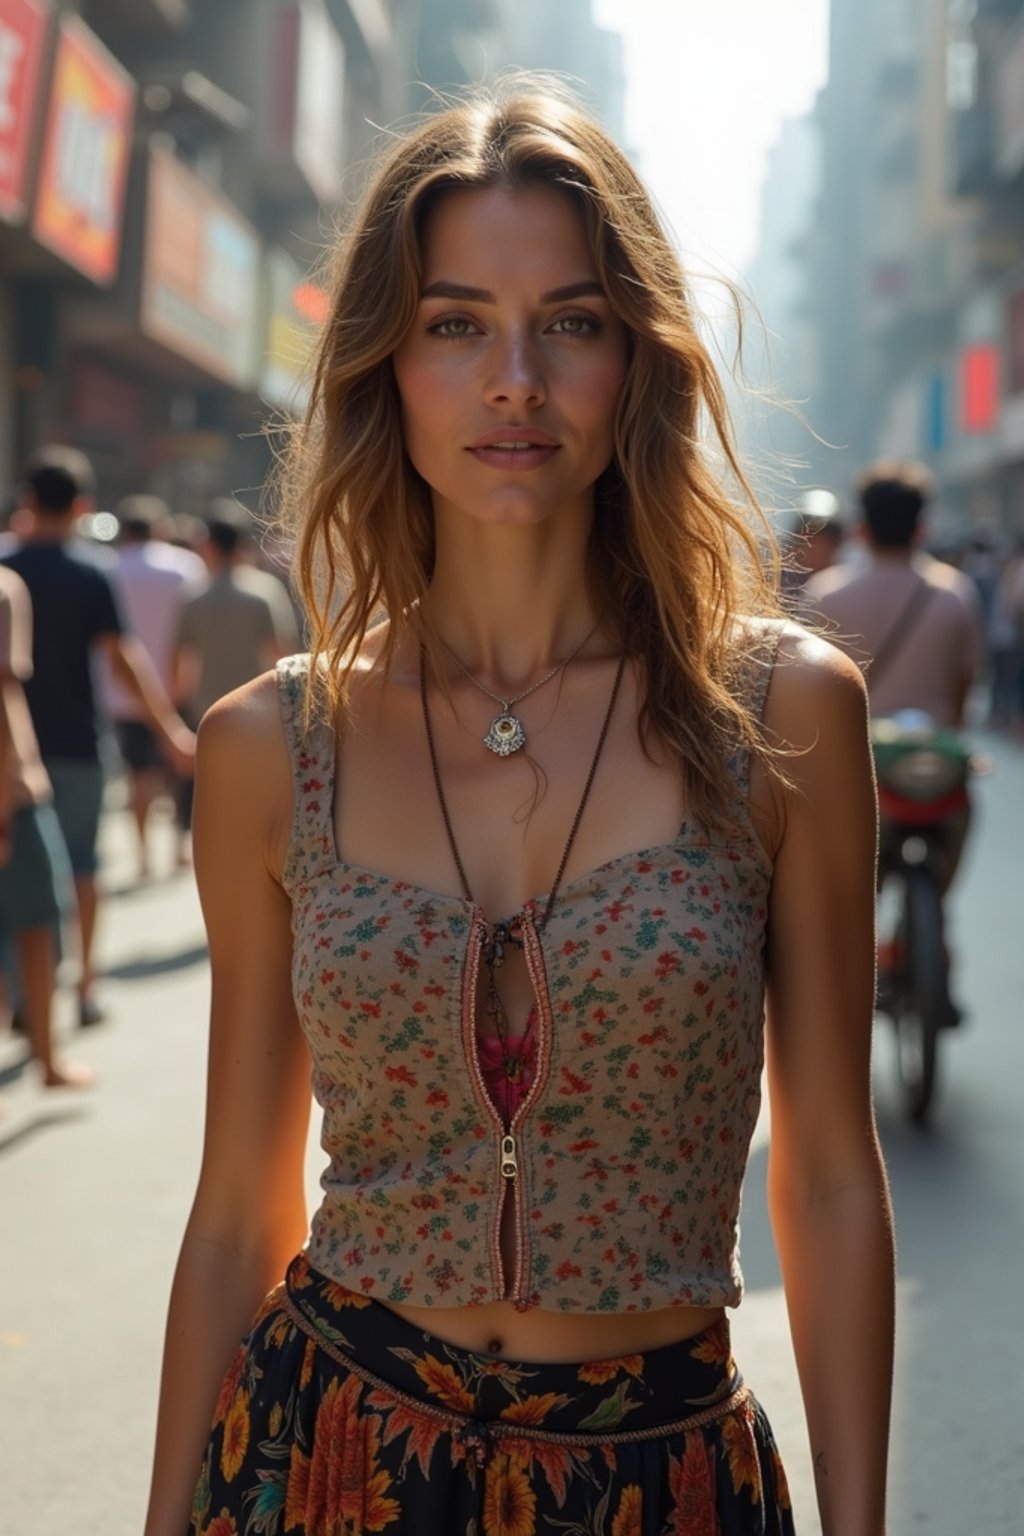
171 173
914 264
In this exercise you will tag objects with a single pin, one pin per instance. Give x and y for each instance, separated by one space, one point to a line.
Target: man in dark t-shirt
74 610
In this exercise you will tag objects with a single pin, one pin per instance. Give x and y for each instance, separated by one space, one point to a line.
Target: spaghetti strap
312 751
761 648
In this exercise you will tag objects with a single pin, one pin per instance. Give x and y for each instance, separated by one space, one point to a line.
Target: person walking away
35 875
902 594
152 579
76 615
239 624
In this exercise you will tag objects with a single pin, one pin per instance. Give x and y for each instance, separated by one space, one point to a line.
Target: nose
515 375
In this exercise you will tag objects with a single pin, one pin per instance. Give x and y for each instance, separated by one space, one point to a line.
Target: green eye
576 325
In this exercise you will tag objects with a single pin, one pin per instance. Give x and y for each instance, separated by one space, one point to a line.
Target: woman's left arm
827 1189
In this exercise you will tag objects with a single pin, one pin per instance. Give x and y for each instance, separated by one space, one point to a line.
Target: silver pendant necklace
506 734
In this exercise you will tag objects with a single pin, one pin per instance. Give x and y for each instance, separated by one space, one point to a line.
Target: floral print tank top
623 1152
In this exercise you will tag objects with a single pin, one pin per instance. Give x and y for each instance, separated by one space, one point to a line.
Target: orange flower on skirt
236 1436
534 1409
597 1372
692 1489
741 1449
715 1345
308 1360
230 1385
340 1296
509 1501
341 1486
628 1515
442 1382
224 1525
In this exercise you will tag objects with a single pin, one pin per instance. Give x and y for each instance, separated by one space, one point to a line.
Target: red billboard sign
84 165
22 34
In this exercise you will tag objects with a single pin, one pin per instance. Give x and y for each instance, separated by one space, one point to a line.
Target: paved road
94 1193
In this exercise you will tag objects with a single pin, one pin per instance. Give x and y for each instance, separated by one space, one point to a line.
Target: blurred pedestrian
1006 643
35 875
510 1312
152 579
912 622
813 543
75 613
239 623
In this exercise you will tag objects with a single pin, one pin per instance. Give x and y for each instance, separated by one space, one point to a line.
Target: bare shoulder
243 767
817 693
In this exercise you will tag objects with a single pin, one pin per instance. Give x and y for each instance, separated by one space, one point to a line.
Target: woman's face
510 374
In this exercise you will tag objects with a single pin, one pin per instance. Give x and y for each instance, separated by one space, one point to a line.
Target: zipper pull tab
509 1161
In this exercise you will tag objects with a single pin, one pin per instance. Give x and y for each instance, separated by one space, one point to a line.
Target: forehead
491 236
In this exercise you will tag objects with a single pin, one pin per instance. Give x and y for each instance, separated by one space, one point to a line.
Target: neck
511 602
50 530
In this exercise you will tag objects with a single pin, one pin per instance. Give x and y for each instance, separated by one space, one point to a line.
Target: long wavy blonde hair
676 560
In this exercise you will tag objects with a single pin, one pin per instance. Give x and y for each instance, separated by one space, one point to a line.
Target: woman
509 1315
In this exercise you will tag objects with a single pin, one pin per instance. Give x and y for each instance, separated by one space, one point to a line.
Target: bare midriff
501 1328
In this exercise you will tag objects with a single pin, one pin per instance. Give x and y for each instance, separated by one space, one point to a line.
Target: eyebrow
589 289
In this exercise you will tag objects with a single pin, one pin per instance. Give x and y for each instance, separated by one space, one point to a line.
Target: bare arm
827 1188
130 664
249 1214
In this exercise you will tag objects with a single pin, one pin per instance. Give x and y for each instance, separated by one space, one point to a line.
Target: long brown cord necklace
503 934
507 733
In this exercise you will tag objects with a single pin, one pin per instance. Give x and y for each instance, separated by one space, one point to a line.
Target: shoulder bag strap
900 631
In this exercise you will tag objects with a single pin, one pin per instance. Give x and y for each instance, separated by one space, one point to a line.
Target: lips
514 448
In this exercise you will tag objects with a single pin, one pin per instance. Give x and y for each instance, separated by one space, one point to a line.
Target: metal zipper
507 1143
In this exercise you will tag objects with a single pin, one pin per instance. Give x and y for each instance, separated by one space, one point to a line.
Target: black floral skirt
338 1417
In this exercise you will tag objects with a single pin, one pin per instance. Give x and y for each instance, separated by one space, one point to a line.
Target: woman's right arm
249 1213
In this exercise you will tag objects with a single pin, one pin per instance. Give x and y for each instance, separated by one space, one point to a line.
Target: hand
180 749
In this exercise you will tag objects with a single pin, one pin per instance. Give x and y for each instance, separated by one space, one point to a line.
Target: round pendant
506 735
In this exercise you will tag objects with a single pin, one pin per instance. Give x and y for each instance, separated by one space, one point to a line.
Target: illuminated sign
22 32
979 387
84 167
200 273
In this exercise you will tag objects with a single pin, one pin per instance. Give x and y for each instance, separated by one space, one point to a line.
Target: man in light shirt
153 579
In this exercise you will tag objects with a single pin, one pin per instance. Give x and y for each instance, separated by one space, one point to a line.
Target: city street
94 1191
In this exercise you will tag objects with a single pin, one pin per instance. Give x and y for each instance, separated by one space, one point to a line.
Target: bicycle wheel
923 1001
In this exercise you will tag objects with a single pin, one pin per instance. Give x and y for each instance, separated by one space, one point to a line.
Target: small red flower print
400 1074
567 1270
573 1084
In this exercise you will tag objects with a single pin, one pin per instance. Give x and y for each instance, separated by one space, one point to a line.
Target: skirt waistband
668 1390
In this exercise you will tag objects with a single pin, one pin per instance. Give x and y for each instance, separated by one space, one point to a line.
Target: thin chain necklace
506 734
501 935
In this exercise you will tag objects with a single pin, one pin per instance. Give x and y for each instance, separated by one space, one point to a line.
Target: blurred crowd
118 631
